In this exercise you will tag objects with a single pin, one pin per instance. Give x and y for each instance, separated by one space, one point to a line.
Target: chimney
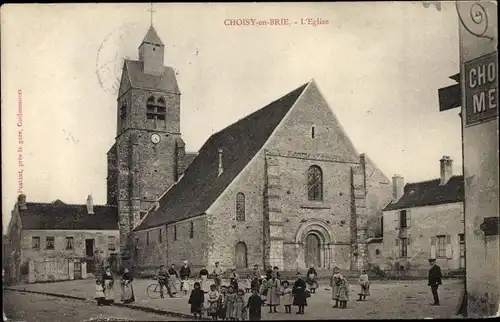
398 185
21 202
90 205
221 169
446 169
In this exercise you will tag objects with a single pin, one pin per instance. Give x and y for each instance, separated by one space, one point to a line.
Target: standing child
254 306
239 305
185 286
222 302
343 292
196 300
335 284
365 286
99 292
248 285
213 302
229 303
286 296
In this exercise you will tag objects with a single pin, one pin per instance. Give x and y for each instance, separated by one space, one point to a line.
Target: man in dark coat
434 280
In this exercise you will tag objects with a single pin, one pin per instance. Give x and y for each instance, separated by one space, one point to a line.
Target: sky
379 66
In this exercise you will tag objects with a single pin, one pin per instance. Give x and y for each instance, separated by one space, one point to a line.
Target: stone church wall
173 247
224 231
334 211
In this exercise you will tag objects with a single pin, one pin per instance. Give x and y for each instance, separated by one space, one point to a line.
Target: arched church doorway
312 250
241 255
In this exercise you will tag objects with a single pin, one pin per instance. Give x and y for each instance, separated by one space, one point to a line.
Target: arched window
315 183
240 206
312 132
156 113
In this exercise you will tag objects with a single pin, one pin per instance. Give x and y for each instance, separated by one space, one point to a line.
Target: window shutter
396 220
396 248
408 218
449 252
433 247
408 247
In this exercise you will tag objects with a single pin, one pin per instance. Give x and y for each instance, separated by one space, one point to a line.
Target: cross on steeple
151 12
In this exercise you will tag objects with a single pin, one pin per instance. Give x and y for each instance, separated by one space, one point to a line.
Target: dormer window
156 113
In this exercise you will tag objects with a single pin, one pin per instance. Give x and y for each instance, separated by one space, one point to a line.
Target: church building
283 186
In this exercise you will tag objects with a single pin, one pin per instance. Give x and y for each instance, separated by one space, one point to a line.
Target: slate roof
429 193
57 216
152 37
167 82
200 186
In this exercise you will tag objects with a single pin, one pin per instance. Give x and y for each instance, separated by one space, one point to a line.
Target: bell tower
146 158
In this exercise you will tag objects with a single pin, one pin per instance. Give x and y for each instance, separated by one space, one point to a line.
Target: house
58 241
425 220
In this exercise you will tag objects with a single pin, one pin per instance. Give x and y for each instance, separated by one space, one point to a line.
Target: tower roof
152 37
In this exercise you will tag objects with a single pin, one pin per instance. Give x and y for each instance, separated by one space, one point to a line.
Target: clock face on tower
155 138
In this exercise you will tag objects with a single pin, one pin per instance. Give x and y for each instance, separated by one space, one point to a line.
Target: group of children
340 288
226 304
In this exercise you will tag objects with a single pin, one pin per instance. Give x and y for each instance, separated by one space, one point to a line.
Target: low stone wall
55 269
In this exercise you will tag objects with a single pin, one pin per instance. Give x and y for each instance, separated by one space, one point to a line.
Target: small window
240 206
112 243
69 243
191 230
35 242
402 219
159 236
312 132
147 238
49 243
441 246
175 232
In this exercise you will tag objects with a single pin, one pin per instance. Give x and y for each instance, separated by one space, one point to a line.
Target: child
185 287
248 286
263 291
335 283
99 292
365 286
343 292
229 303
222 302
239 305
196 300
213 302
254 306
286 296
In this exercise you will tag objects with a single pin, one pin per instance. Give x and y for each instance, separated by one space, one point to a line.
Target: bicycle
153 290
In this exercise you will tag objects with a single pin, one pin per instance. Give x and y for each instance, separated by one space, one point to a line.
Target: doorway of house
90 255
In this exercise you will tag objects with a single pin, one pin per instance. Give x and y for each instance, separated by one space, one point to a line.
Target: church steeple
151 52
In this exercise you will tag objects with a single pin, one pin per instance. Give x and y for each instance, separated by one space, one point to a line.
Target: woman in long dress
299 294
109 281
205 285
335 282
273 290
127 295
